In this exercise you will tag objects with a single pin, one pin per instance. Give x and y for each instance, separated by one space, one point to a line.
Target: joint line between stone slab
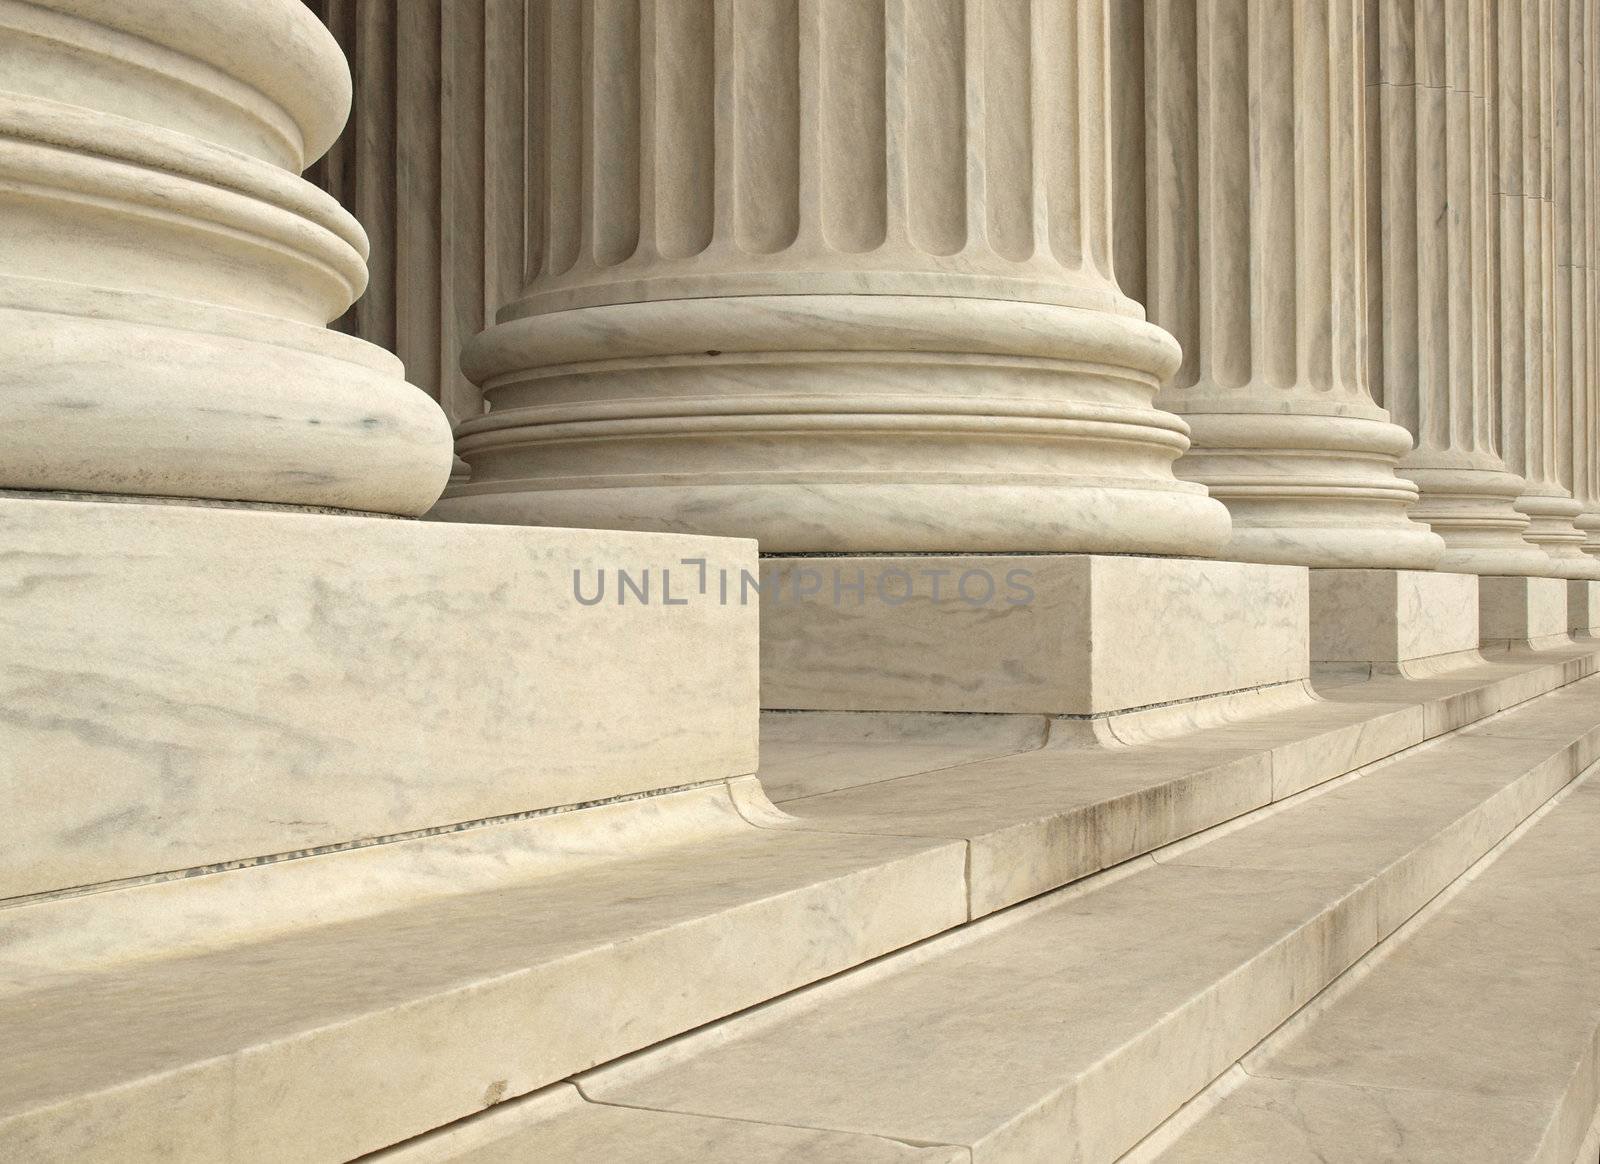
587 1098
1369 962
346 846
1209 1097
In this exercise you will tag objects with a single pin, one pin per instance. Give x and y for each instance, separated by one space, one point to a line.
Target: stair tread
1484 1018
562 954
714 924
559 1125
1086 809
1022 1036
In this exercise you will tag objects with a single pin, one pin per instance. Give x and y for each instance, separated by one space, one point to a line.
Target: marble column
1577 179
165 275
829 273
1428 266
1531 396
1254 249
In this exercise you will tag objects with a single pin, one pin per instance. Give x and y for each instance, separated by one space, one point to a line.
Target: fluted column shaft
165 275
1255 123
1530 316
1576 223
830 273
1428 266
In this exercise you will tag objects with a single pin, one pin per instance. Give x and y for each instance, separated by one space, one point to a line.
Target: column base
1583 606
1407 622
190 688
835 423
1522 612
1052 634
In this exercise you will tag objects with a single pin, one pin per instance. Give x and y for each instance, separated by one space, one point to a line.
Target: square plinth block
1522 612
1393 621
1054 634
1583 606
188 686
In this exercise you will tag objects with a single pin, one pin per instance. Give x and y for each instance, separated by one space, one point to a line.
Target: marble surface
1071 1026
1393 619
1485 1020
320 1008
836 423
253 683
1043 1025
1461 697
419 967
559 1124
1583 607
1255 225
1055 634
813 752
1433 183
809 312
1306 1122
165 275
1042 817
1529 611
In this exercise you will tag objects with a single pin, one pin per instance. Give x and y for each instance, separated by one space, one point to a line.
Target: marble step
1069 1027
1472 1035
1034 820
316 1009
398 987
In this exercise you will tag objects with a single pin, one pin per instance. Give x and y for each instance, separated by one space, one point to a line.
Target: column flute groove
1428 264
1530 391
879 316
1575 200
1255 194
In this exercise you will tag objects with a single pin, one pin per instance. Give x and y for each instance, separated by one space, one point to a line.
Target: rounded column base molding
1589 523
166 275
1552 512
121 394
1311 490
976 516
837 423
1472 508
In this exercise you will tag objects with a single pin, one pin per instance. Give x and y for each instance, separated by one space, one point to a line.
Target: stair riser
353 1087
1103 1114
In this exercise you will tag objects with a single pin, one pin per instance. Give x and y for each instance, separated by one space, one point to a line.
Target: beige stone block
185 686
1530 611
1393 620
1583 606
1050 634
